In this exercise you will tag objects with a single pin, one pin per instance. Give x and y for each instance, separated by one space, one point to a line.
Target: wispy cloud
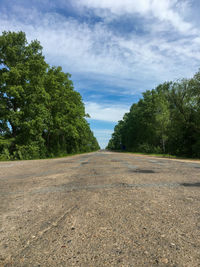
95 50
163 10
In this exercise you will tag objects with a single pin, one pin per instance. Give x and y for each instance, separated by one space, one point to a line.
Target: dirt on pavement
100 209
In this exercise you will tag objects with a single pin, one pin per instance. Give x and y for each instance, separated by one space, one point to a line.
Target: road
100 209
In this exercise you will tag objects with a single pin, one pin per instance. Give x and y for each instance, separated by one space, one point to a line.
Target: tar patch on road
191 184
142 171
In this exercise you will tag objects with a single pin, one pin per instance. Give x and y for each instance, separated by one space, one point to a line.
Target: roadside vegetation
41 115
165 121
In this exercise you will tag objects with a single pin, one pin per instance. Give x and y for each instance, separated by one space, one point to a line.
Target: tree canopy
165 120
41 114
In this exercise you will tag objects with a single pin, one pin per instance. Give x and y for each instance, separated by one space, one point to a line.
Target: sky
114 49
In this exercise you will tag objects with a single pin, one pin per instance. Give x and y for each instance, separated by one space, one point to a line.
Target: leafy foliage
41 114
165 120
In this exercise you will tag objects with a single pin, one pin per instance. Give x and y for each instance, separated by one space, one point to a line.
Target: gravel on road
100 209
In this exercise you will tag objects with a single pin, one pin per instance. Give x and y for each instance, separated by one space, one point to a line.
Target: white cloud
112 113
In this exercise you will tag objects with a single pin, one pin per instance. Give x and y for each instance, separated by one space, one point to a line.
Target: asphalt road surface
100 209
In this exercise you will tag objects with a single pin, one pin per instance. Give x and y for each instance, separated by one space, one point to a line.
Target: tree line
41 115
165 120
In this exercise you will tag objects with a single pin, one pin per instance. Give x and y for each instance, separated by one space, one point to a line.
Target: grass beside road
63 155
158 155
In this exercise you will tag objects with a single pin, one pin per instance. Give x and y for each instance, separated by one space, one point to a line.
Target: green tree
166 119
40 112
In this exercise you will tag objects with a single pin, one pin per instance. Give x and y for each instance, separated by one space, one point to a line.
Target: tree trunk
163 145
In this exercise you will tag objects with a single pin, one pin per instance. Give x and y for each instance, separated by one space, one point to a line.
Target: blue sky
114 49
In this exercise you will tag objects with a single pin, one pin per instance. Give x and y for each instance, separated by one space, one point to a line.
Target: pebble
164 260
